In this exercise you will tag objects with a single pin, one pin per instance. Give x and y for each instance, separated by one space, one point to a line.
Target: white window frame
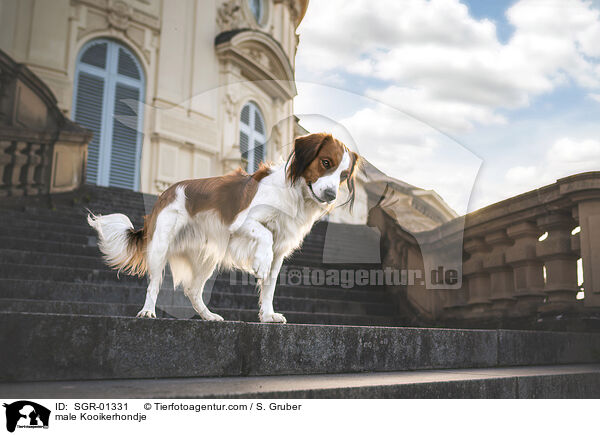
111 78
260 18
253 135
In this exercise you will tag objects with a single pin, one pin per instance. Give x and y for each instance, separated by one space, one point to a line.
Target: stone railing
41 151
519 257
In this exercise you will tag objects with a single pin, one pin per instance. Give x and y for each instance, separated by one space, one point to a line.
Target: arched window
257 9
252 136
109 91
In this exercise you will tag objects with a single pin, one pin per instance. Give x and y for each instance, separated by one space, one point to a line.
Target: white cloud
415 153
521 174
445 67
566 156
447 115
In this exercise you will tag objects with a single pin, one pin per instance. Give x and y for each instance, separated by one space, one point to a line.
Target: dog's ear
350 181
306 148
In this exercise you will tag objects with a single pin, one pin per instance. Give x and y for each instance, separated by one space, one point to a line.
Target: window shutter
244 146
246 115
88 113
252 136
259 151
123 158
96 55
258 124
127 66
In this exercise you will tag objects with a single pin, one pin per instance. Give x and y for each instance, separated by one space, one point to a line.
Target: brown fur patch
227 194
350 175
136 247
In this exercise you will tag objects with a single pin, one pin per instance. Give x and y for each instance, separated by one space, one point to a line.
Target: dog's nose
329 194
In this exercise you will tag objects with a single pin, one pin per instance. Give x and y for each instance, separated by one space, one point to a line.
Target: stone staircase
49 262
69 331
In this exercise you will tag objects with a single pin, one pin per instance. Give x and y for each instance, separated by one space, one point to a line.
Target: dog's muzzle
329 194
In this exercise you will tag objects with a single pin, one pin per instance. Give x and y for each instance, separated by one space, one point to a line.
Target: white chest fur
282 209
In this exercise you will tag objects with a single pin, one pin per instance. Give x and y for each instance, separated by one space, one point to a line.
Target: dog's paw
272 318
146 314
212 317
262 264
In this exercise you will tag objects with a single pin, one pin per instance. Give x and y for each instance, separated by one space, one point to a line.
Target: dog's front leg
267 292
263 256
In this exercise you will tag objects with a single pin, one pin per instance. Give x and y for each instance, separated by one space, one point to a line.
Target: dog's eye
326 163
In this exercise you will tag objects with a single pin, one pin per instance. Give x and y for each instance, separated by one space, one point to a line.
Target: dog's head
323 163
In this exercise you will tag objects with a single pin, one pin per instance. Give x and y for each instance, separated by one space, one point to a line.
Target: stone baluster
527 268
478 278
33 165
501 274
457 301
19 160
561 262
5 160
588 211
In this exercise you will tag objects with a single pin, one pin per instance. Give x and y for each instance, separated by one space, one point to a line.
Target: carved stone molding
161 185
119 14
293 7
260 58
276 137
229 103
229 16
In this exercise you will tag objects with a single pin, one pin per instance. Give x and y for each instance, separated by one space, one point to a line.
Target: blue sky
493 10
479 100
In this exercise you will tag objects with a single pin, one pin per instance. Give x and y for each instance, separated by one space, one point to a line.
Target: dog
250 222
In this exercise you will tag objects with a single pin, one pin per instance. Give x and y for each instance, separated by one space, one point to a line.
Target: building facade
172 89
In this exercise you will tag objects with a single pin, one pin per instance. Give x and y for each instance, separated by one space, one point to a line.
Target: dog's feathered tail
124 248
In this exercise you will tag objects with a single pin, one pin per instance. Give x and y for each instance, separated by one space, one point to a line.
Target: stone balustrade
520 257
41 151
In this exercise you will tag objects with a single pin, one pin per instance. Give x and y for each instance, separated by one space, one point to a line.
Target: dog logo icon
26 414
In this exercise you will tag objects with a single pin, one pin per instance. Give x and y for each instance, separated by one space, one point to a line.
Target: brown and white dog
248 222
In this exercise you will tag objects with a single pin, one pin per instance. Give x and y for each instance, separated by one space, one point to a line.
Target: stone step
134 293
68 347
83 234
51 246
20 242
25 225
573 381
58 216
187 312
77 217
214 299
24 232
90 258
103 275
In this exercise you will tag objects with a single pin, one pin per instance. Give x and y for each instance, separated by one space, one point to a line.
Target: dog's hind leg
202 273
168 223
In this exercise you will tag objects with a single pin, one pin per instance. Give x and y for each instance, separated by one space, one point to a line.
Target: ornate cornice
260 58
